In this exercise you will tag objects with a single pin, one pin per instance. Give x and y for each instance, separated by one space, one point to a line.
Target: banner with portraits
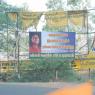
43 44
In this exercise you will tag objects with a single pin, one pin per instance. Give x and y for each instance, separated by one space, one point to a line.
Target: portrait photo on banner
34 42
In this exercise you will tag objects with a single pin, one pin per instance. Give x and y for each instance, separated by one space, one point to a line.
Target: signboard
85 64
51 44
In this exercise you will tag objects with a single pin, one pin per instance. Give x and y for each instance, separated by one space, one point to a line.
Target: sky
33 5
38 5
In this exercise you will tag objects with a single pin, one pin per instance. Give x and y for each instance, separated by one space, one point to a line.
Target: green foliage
24 40
74 2
3 43
55 5
61 4
45 70
8 27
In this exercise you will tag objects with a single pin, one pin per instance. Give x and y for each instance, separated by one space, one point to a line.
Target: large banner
51 44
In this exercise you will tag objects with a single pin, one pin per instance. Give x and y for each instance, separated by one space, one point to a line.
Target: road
31 88
19 89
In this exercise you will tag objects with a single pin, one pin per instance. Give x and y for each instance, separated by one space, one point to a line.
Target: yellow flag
77 20
77 17
30 18
12 16
56 19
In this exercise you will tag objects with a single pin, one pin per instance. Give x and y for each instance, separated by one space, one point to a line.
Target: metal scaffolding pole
8 64
17 44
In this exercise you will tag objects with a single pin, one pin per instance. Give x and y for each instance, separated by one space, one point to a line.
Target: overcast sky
34 5
38 5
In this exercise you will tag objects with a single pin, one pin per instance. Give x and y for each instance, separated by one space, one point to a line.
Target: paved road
30 88
10 89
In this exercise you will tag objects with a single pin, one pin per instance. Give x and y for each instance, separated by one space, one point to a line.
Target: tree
7 27
45 70
67 4
55 5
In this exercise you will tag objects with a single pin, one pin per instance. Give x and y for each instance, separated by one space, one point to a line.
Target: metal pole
68 20
17 34
7 43
68 17
7 38
87 31
56 75
89 74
